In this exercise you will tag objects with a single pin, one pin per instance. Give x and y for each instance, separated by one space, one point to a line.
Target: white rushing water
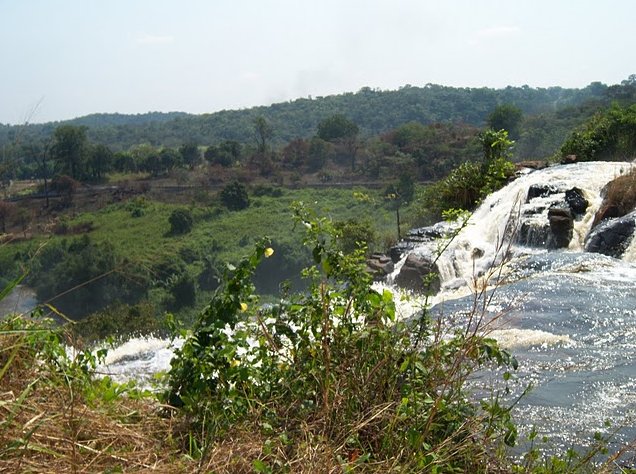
479 246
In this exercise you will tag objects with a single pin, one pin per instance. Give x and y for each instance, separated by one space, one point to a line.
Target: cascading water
569 316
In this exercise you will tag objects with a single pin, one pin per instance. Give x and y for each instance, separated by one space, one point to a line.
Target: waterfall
482 244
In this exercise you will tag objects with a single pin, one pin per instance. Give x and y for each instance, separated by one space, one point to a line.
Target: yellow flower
269 252
243 307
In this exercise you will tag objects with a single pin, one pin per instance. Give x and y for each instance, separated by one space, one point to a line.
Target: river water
568 316
21 300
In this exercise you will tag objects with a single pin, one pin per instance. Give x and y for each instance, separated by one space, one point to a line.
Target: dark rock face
415 273
417 236
612 237
531 235
576 201
561 227
541 190
398 250
379 265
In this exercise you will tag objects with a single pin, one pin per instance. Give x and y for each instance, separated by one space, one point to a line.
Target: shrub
466 185
331 367
181 221
234 196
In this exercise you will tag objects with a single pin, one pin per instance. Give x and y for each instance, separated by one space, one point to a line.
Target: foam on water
526 338
139 359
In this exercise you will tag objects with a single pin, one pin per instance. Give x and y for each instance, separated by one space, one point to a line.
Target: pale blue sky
75 57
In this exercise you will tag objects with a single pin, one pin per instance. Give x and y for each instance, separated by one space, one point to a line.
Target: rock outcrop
576 201
561 227
612 236
619 198
419 274
379 266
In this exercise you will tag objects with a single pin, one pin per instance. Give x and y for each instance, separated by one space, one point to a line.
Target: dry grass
620 197
47 425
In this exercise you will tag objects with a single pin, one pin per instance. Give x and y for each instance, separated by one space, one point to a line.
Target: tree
495 145
319 152
400 194
100 161
169 159
506 117
190 154
70 150
340 130
234 196
295 154
337 127
264 132
225 154
66 187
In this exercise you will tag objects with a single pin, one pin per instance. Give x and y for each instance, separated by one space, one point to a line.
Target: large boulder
419 274
619 198
379 266
576 201
541 190
400 249
561 226
612 237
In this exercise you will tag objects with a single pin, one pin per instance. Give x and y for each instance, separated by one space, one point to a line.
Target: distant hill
374 111
105 120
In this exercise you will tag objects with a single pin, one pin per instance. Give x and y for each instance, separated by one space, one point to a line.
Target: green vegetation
234 196
139 251
469 183
609 135
181 221
323 378
333 367
90 147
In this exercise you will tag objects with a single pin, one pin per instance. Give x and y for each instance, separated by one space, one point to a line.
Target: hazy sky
75 57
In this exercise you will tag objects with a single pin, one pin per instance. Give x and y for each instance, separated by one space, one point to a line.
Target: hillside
374 111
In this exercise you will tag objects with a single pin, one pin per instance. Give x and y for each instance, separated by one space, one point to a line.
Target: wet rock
400 249
576 201
418 236
561 227
379 266
613 236
541 190
419 274
533 234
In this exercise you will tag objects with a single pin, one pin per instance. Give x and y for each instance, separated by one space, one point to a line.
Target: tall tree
70 150
100 160
506 117
190 154
264 132
340 130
